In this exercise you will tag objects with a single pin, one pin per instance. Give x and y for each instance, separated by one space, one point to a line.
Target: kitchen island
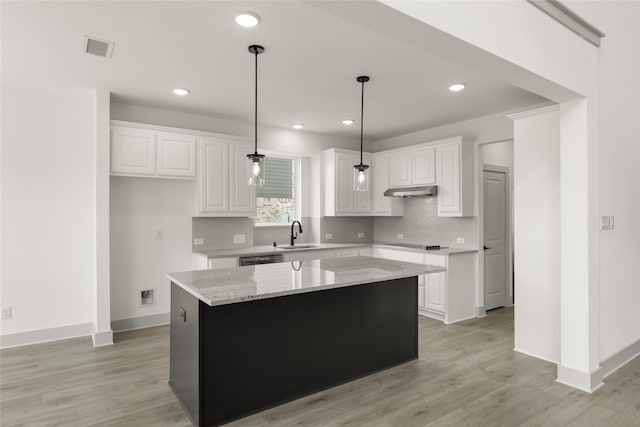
248 338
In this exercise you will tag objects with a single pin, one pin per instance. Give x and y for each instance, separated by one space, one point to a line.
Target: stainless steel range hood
423 191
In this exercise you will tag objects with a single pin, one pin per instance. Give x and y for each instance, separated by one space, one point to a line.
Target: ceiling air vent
97 47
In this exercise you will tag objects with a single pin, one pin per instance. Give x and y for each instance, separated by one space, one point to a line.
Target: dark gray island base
232 360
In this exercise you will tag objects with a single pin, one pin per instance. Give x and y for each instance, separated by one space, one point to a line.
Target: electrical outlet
399 236
159 235
238 239
360 235
6 312
198 242
460 240
328 236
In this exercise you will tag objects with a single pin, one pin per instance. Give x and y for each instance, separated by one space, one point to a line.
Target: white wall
619 172
537 234
48 209
496 127
140 209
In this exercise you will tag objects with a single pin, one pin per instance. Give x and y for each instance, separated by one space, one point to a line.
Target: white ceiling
306 75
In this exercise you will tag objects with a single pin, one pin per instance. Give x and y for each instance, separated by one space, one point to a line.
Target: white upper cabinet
412 166
423 170
382 205
133 151
222 181
213 179
340 199
400 174
454 176
151 151
242 197
447 163
176 155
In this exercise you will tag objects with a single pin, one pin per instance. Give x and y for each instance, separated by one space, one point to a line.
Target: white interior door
495 239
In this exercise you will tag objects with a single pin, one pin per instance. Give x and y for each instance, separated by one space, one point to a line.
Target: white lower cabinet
435 292
446 295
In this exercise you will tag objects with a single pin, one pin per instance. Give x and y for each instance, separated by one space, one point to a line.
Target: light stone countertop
233 285
418 248
270 250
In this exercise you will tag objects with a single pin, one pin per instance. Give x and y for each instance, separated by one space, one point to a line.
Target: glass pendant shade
361 177
255 169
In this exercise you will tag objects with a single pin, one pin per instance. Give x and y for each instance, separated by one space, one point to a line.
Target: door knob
486 247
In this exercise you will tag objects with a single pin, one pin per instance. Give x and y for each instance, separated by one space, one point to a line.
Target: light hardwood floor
467 375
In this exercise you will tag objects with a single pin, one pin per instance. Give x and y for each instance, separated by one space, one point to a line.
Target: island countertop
233 285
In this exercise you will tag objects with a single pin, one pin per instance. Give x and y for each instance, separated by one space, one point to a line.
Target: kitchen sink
303 246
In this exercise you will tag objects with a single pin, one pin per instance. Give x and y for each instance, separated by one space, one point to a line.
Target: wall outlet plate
6 312
238 239
328 236
198 242
460 240
400 236
360 235
159 235
147 298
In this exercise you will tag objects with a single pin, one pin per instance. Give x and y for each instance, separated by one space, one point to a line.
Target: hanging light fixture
361 171
256 161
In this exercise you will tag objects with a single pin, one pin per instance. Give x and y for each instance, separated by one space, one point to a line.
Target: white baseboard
526 353
481 312
585 381
45 335
140 322
618 360
102 338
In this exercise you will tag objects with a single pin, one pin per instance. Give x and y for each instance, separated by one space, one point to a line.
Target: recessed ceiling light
247 19
181 91
347 122
457 87
298 126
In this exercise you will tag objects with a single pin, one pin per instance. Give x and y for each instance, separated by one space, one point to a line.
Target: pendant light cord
361 120
256 107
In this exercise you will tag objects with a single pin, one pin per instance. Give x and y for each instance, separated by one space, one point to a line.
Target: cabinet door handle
487 247
183 314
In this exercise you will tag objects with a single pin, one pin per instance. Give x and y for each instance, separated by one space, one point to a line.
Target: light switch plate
360 235
400 236
6 312
198 242
606 222
238 239
460 240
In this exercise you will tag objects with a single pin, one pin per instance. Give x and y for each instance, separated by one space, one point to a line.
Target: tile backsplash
218 233
346 229
422 225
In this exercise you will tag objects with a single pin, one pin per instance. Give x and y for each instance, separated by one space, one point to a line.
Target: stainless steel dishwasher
261 259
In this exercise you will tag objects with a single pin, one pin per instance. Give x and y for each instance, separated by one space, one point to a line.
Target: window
276 200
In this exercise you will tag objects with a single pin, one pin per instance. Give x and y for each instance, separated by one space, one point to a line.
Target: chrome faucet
296 235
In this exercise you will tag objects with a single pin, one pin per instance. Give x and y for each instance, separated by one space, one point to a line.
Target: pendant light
256 161
361 171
